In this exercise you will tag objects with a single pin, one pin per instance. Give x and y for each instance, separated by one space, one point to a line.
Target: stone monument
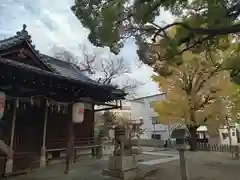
122 164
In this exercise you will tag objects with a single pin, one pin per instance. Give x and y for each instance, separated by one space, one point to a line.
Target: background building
142 108
225 134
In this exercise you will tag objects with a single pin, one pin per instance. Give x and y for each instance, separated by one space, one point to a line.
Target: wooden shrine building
37 96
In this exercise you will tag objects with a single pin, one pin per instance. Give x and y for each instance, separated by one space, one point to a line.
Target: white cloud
51 22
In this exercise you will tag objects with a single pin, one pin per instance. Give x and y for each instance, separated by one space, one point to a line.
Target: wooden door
28 138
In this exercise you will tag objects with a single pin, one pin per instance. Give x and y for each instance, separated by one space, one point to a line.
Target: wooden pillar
70 141
9 163
43 149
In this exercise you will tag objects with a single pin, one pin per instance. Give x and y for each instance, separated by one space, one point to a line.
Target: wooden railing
59 145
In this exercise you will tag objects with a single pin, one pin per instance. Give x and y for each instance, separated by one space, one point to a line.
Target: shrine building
46 106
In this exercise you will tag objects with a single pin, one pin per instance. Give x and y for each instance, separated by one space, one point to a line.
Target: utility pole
154 134
229 135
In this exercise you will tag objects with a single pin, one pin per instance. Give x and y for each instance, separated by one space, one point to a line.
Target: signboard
78 112
119 131
2 103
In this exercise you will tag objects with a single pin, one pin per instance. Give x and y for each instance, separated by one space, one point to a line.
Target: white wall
226 140
140 108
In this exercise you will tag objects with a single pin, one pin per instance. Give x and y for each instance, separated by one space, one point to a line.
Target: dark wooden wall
57 131
28 136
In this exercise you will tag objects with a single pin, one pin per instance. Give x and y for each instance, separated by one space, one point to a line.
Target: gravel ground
201 166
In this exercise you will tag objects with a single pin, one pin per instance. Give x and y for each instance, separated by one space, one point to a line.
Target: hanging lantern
17 103
31 101
78 112
2 103
38 103
66 109
59 107
63 110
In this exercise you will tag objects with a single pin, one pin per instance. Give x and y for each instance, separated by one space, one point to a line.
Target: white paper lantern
78 112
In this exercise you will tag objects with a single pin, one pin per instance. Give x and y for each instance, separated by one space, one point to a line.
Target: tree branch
203 31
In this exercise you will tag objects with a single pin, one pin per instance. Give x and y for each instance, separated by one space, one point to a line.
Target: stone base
123 167
126 168
119 163
126 175
137 151
43 161
9 166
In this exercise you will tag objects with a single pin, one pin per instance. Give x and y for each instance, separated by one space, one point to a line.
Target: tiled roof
65 68
61 67
55 66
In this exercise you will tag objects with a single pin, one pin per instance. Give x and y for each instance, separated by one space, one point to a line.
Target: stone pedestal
43 161
136 151
122 167
9 166
43 157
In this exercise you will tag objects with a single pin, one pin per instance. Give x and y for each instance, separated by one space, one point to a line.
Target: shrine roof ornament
19 38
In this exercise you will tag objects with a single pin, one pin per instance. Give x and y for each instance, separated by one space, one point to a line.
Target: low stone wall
148 142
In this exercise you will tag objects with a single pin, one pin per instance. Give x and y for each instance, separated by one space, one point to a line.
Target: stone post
9 163
236 152
43 149
183 165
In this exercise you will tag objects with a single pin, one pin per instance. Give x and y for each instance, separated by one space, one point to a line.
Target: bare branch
105 70
64 55
130 86
110 68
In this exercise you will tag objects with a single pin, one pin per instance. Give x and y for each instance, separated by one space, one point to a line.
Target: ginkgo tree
198 92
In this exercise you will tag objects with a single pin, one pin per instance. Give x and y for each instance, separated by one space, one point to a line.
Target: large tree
200 93
199 21
198 24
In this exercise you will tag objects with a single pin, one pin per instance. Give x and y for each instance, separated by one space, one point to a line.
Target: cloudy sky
52 23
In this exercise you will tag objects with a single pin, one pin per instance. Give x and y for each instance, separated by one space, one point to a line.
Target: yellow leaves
172 32
162 82
197 90
169 110
188 56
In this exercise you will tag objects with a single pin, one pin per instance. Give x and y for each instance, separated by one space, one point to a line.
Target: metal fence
210 147
215 147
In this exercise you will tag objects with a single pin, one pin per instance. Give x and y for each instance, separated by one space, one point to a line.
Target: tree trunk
193 138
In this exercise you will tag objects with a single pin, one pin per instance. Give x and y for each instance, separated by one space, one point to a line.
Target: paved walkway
201 166
168 157
91 169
